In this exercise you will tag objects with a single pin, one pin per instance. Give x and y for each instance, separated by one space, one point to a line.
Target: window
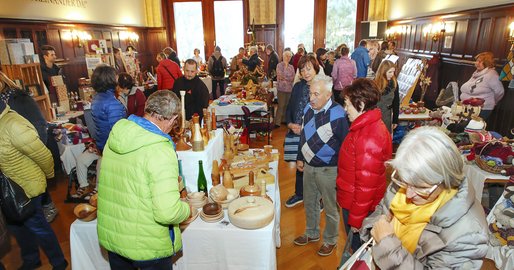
228 17
188 28
298 23
341 16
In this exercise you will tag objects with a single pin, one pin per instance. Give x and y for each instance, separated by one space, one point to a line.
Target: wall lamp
81 36
251 31
435 31
129 36
393 32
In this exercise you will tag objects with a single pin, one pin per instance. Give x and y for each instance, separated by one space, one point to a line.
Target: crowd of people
340 124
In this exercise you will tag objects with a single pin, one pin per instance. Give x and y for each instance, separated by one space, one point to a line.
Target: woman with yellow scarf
429 217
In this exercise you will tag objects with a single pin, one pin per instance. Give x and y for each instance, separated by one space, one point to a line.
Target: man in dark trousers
49 69
197 94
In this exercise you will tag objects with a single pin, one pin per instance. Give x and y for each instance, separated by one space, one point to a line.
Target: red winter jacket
361 173
165 81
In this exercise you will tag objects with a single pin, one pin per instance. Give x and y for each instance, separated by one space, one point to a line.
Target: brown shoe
326 249
304 240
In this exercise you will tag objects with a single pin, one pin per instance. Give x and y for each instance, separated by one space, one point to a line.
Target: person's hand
299 165
354 230
297 129
395 126
382 228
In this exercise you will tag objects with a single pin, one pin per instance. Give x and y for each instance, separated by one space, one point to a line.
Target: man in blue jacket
361 58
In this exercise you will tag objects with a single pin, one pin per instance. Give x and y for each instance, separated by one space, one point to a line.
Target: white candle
182 101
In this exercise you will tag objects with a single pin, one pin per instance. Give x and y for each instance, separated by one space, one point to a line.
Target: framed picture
33 89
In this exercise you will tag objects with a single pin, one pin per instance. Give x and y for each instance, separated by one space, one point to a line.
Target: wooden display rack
30 74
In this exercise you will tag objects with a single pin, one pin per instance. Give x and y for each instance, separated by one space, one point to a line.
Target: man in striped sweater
324 128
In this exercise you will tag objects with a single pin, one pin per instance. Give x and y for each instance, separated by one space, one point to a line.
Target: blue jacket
361 58
106 111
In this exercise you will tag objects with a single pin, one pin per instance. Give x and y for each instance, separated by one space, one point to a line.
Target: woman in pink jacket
343 73
361 173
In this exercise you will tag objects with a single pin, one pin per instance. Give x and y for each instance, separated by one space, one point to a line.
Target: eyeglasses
423 192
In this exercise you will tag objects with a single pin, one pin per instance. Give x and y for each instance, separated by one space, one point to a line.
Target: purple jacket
345 70
286 74
483 84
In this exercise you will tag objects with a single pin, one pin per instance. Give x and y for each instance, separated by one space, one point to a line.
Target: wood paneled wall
70 56
472 32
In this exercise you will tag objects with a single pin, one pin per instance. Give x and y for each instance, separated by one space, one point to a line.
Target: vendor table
235 109
218 245
477 177
213 151
415 117
66 118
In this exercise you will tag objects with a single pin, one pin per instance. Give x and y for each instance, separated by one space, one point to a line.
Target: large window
188 28
228 17
340 22
298 23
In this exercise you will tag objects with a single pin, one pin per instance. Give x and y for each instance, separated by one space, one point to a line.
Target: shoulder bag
15 204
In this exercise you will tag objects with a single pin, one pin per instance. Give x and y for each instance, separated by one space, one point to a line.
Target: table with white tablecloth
235 108
218 245
477 177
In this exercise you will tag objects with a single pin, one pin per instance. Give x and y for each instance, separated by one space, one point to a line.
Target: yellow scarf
410 220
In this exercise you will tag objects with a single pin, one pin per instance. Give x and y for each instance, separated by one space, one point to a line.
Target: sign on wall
113 12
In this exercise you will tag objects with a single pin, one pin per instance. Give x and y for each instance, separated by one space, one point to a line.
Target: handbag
15 204
362 258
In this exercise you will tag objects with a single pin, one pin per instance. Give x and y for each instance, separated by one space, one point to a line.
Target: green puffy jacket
138 196
23 156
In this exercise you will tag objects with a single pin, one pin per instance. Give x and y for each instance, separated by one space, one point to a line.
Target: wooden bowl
251 212
232 195
94 200
212 209
85 212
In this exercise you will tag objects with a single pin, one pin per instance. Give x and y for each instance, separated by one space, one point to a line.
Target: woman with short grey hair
429 217
285 77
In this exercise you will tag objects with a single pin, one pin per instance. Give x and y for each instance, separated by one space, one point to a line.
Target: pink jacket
483 84
345 70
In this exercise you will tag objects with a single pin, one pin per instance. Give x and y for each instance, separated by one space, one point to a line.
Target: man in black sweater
49 69
197 94
272 62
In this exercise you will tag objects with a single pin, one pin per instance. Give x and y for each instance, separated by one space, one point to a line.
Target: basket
483 165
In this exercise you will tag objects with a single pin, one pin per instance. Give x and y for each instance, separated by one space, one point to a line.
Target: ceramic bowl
85 212
212 209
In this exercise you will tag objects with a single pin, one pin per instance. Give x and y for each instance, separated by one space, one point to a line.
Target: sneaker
81 192
88 196
294 200
326 249
304 240
50 213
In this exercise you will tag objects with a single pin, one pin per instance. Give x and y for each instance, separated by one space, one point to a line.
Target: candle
183 111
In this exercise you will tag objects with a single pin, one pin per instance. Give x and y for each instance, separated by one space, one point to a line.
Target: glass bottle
181 181
202 181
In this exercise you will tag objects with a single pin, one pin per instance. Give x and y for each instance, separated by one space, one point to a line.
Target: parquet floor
289 256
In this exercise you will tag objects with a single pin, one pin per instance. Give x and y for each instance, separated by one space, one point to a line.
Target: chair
259 121
73 181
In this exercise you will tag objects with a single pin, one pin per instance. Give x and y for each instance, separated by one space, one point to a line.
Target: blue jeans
215 83
35 232
118 262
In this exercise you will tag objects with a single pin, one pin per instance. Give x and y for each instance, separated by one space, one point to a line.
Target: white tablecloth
190 169
69 154
205 245
233 109
477 177
208 82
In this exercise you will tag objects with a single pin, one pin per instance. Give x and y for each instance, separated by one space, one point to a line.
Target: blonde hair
381 77
10 83
487 59
427 156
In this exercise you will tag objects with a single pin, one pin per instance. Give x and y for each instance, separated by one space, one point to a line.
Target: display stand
407 80
32 79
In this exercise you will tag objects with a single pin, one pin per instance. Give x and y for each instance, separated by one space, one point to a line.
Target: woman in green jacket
139 205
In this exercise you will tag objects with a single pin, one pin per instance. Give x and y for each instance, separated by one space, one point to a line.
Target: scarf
410 220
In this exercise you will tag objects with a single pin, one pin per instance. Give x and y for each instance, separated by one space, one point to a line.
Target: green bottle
181 181
202 181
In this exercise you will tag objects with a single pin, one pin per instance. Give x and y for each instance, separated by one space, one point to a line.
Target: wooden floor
292 224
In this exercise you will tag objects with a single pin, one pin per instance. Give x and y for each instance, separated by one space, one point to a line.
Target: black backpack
217 67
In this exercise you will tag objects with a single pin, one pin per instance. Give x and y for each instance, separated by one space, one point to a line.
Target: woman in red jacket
167 72
361 173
